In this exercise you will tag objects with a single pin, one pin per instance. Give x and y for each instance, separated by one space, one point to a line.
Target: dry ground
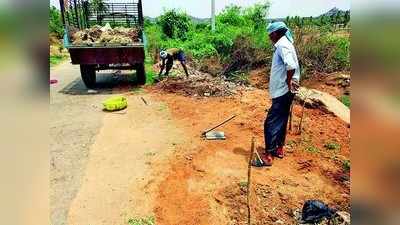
150 160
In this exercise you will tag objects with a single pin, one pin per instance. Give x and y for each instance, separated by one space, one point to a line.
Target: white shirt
284 59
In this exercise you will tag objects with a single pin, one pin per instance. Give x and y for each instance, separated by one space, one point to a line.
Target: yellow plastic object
115 103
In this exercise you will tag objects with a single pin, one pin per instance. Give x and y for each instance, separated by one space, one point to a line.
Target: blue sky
279 8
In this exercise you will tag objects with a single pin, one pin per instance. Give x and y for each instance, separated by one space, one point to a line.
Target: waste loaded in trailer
81 14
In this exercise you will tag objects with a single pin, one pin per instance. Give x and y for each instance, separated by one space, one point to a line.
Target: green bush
222 43
241 42
56 59
175 24
231 16
322 52
341 51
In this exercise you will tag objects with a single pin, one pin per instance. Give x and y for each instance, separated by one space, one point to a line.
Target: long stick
144 100
249 181
205 132
302 115
291 116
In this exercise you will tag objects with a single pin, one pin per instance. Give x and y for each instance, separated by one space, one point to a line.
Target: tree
175 24
55 22
231 15
258 14
347 18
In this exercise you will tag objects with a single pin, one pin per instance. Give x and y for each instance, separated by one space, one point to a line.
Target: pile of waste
198 84
106 35
315 212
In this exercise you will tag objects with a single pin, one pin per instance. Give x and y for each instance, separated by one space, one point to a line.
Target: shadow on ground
106 83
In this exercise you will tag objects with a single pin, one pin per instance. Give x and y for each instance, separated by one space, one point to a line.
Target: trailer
82 14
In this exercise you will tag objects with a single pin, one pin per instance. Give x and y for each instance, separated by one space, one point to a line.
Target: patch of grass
142 221
345 99
150 74
290 142
243 184
240 77
312 149
346 165
56 59
332 146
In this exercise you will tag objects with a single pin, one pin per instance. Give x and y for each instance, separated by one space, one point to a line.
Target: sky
202 8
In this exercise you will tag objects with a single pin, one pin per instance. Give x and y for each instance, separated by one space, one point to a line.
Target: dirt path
126 162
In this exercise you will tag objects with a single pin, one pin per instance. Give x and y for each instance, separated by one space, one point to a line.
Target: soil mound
199 84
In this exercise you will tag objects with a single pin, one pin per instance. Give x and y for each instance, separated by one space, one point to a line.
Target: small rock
207 94
91 91
279 222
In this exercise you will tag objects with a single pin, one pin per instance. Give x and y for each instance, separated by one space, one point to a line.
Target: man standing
284 82
168 58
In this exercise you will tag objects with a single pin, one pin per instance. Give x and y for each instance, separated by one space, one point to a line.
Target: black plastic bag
314 211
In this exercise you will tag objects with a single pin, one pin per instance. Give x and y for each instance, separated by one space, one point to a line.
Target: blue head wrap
272 27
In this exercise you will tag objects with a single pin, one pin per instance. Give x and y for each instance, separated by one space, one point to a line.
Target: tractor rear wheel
141 74
88 74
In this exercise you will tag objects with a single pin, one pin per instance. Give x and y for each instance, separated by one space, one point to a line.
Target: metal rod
76 14
112 12
249 181
144 100
219 125
62 8
140 10
213 15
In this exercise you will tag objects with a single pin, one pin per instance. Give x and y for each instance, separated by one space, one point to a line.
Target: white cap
163 54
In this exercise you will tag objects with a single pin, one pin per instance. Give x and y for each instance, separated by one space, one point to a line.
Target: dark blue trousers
276 122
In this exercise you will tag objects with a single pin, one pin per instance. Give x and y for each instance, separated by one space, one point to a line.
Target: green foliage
243 184
345 99
332 146
341 17
175 24
322 51
241 42
56 59
150 74
341 50
221 43
231 16
142 221
346 165
312 149
239 77
55 22
258 14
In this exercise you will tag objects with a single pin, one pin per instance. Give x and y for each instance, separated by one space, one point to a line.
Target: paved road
75 119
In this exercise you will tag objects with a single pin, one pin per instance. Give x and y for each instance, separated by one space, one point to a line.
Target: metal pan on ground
215 135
